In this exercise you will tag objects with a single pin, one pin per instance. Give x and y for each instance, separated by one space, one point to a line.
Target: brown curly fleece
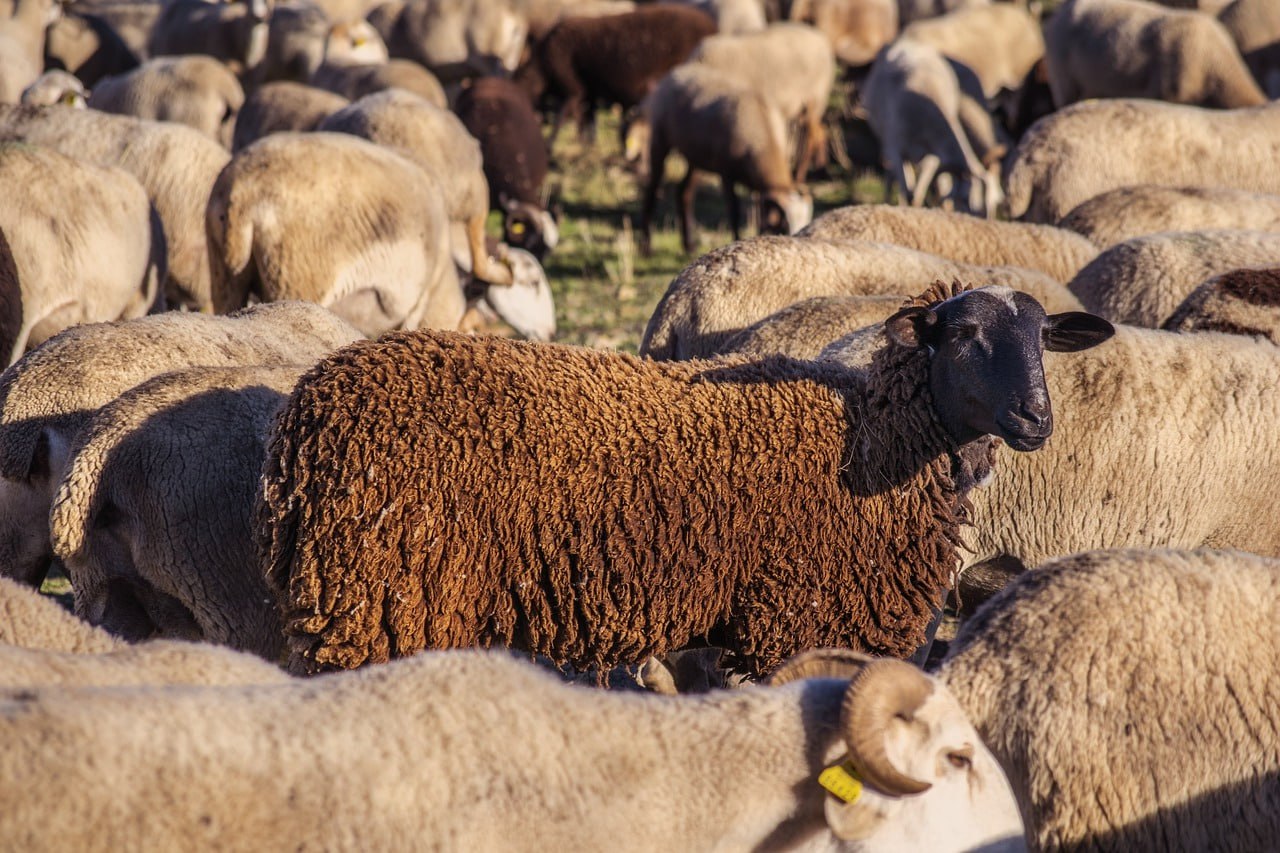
433 490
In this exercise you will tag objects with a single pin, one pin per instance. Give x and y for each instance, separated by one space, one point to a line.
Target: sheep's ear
1075 331
910 327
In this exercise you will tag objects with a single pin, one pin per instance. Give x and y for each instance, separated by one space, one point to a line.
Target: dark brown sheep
434 490
498 113
615 59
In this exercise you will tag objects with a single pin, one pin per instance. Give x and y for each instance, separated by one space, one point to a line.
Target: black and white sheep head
785 211
529 227
908 771
526 304
986 351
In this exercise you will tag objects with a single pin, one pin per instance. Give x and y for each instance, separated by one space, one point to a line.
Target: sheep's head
529 227
525 304
785 211
912 773
354 43
986 369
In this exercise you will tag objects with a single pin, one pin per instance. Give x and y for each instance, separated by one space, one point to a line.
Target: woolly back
436 490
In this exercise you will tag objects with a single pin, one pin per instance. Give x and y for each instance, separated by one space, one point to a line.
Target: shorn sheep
1118 215
29 620
48 396
1142 281
630 507
730 288
1136 49
85 241
1240 302
473 750
152 519
1089 148
1130 696
1057 252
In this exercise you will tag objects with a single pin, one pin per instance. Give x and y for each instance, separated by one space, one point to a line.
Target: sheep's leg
731 207
903 176
929 165
657 168
688 188
483 267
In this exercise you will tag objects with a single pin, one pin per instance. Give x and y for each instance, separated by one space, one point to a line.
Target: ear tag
517 228
842 780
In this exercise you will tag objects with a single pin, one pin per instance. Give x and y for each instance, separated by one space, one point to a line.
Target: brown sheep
598 509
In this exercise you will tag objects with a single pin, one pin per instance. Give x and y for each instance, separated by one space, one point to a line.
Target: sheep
559 572
1142 281
1137 49
1092 147
496 112
197 91
1255 26
86 245
804 329
388 266
543 15
726 290
455 39
154 662
914 10
56 87
87 46
917 108
1134 425
1118 215
151 519
527 306
720 125
484 751
1239 302
283 106
437 141
48 396
356 81
235 33
175 165
615 59
1165 657
857 29
1000 42
297 31
130 20
29 620
791 64
1056 252
22 39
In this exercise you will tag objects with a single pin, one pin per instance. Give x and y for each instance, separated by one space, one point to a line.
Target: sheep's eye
961 759
966 332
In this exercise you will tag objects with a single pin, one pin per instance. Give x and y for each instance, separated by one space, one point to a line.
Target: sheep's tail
76 501
229 233
1019 182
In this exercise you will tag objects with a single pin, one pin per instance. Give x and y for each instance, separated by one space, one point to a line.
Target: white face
799 209
356 43
968 807
526 305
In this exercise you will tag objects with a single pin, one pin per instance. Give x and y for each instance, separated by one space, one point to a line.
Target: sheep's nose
1035 411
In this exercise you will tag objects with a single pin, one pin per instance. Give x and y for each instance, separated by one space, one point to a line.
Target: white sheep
1240 302
1137 49
1056 252
235 33
1255 26
1136 422
726 290
22 39
1000 42
929 126
724 126
1141 281
151 520
56 87
475 750
456 38
175 165
198 91
857 29
85 242
1130 696
280 107
791 64
437 142
48 396
1122 214
29 620
1089 148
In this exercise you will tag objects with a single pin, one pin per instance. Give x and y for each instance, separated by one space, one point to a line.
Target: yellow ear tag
842 780
517 228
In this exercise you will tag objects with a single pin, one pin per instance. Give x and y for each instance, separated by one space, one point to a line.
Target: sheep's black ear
1075 331
910 327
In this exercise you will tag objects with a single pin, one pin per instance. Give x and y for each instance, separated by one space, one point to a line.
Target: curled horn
820 663
884 689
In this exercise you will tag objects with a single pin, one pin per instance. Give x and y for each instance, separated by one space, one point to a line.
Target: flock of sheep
302 505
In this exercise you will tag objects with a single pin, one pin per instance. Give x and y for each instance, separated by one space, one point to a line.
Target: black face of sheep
987 376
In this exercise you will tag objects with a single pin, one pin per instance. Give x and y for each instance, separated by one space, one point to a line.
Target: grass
605 291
